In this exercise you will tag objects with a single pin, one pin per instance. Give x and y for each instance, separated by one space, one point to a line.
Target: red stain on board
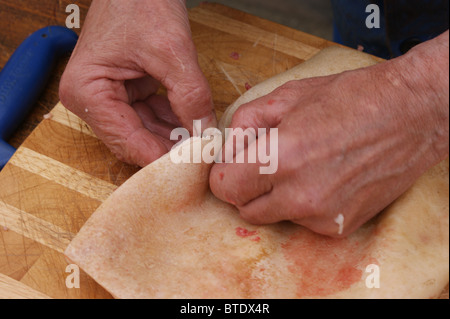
324 266
235 55
271 102
247 86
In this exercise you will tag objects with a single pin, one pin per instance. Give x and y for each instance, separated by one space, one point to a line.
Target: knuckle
240 198
239 116
119 148
231 196
119 154
214 180
328 232
309 205
242 117
287 91
248 216
116 147
331 231
193 102
292 92
252 215
65 89
69 91
195 94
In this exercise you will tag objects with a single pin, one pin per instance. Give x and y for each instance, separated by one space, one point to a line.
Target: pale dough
164 235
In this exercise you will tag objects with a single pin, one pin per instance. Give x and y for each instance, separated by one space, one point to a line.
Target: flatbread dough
164 235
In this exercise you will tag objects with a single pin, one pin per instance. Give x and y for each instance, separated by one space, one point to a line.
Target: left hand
127 49
349 144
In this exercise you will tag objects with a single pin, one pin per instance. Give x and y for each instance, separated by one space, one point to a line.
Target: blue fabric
402 22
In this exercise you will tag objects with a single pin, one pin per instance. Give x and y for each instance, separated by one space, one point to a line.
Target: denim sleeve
403 24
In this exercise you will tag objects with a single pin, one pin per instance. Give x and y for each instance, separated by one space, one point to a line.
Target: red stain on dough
242 232
221 175
271 102
323 265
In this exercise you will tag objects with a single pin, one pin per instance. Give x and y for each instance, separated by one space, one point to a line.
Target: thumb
263 113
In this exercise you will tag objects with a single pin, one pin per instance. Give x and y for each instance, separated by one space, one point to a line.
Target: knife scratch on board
257 41
230 79
274 52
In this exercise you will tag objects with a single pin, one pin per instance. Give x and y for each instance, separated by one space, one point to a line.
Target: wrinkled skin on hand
126 50
348 144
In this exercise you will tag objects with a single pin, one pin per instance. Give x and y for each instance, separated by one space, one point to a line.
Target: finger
142 88
238 184
285 203
169 144
142 147
244 179
120 128
336 226
187 88
335 223
162 109
191 101
152 122
263 113
264 210
280 204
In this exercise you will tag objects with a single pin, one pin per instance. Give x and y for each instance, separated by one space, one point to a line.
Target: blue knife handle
6 152
25 75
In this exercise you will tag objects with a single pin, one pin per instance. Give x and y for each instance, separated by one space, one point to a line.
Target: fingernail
203 124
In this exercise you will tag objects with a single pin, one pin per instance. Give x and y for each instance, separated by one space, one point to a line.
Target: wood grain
12 289
34 228
252 34
62 172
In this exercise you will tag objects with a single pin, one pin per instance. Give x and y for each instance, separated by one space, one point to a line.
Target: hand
126 49
349 144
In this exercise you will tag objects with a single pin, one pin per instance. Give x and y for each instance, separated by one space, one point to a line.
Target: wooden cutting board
62 172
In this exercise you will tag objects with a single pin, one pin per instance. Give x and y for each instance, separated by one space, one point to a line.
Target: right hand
349 144
126 50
